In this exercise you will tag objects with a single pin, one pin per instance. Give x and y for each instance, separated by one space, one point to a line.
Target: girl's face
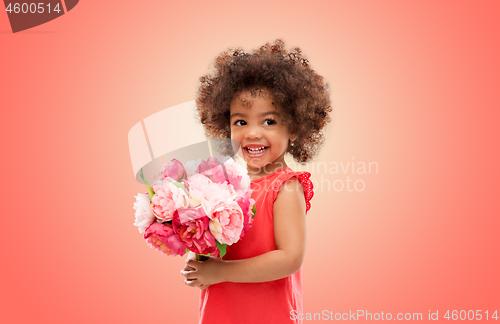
257 125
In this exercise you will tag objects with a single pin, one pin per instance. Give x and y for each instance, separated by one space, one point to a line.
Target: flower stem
201 257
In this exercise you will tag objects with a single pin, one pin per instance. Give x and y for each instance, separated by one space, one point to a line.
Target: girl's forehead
259 109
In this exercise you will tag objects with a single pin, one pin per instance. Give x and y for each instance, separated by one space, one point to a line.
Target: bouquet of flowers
201 207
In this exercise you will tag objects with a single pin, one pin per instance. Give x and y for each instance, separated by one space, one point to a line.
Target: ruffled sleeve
303 177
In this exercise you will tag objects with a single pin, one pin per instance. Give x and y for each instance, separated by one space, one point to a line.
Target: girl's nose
253 132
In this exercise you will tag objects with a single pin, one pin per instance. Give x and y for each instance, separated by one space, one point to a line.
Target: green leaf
222 248
187 250
254 211
181 185
150 190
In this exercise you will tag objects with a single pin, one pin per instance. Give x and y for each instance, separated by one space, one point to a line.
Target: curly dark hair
294 86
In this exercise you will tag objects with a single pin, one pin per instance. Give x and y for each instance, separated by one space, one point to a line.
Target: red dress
263 302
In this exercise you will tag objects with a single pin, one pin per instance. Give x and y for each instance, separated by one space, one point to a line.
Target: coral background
415 88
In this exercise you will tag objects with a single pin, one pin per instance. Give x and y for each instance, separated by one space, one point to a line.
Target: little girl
269 103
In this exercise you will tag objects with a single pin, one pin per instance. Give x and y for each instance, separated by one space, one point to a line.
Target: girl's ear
293 137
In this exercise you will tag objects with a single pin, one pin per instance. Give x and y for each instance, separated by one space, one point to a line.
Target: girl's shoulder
303 178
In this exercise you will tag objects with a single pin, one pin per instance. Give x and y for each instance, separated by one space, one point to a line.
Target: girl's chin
256 166
255 163
259 165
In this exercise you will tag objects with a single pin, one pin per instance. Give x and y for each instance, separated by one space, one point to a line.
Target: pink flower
211 168
246 204
197 185
225 169
191 167
174 169
237 175
202 189
159 177
219 191
191 224
143 214
167 198
162 238
226 218
215 170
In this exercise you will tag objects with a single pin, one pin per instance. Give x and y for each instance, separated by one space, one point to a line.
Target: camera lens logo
28 14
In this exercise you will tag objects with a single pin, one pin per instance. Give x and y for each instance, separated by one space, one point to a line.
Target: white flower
143 214
192 166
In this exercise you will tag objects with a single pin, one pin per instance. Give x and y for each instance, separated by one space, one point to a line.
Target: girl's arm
289 213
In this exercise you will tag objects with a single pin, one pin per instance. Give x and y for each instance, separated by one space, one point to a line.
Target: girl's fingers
189 274
192 283
193 263
188 268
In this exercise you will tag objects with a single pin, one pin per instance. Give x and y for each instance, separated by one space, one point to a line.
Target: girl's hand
190 256
203 274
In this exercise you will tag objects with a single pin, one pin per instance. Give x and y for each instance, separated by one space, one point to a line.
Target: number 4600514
470 315
31 8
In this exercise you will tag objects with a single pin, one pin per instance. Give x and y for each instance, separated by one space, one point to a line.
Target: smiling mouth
258 151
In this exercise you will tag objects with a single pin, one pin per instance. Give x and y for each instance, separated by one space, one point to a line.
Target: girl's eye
269 120
272 121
